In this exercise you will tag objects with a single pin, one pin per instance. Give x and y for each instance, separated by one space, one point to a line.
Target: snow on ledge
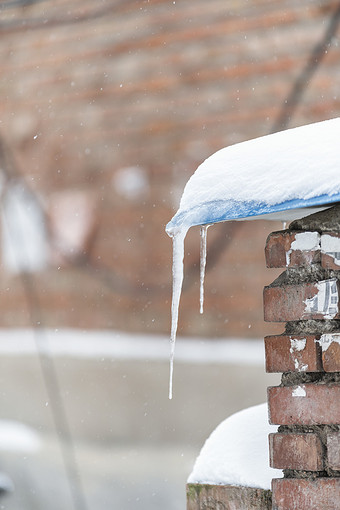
237 452
130 346
288 170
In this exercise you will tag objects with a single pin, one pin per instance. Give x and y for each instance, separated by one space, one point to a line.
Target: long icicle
177 280
203 262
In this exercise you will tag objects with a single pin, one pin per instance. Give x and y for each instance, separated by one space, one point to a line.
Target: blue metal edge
221 210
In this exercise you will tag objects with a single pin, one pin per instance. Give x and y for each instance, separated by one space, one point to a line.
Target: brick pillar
306 405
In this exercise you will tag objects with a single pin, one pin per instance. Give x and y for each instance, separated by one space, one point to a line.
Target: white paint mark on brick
326 300
297 344
299 391
327 339
300 367
304 241
330 245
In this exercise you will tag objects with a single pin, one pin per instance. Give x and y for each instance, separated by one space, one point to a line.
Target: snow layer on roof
295 168
236 453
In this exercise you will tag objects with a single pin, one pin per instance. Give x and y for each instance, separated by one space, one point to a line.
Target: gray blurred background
107 107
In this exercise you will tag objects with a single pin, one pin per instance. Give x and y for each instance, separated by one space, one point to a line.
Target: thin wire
50 376
47 366
301 83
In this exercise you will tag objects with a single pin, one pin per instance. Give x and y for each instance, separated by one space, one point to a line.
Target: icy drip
177 280
203 262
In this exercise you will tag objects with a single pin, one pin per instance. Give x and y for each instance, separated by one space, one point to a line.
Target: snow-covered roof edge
289 170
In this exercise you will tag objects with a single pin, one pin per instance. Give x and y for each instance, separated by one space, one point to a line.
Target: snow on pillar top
278 173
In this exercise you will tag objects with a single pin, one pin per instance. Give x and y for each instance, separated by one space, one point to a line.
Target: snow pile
236 453
18 437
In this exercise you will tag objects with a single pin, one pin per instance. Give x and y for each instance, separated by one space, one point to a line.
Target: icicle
177 280
203 261
284 225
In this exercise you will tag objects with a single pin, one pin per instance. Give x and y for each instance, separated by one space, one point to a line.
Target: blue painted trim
222 210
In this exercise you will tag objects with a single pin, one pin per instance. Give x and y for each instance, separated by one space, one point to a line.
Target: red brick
286 353
283 249
306 404
330 344
328 262
319 300
296 451
306 494
227 497
330 250
331 358
333 450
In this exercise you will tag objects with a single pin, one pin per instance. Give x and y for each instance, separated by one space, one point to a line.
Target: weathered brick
330 345
306 404
292 249
287 353
306 494
333 450
296 451
319 300
228 497
330 250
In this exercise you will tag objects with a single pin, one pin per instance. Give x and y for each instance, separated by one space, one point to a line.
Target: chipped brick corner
306 297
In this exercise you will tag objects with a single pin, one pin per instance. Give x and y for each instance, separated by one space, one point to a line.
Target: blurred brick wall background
107 108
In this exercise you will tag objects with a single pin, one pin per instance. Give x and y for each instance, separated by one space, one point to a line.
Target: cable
50 376
47 365
294 97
